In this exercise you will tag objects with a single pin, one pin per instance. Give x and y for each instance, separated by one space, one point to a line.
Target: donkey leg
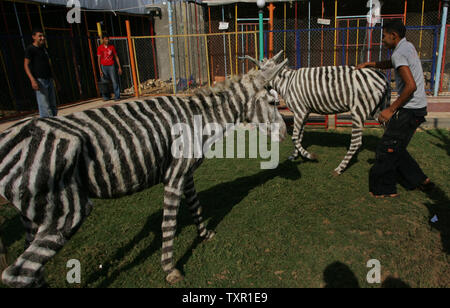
355 144
196 209
30 230
297 137
63 219
27 269
172 196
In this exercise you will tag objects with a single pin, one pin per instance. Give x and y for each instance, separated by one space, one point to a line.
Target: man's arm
100 66
382 65
117 59
118 64
34 83
408 90
58 86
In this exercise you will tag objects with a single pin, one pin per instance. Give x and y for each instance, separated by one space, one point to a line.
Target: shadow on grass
13 228
438 134
440 206
223 196
339 275
337 140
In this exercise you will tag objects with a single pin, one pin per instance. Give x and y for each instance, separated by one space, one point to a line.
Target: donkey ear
277 56
258 64
271 73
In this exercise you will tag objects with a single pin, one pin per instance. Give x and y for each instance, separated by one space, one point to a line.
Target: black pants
393 163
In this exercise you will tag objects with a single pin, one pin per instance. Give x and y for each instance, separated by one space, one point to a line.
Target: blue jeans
46 98
109 72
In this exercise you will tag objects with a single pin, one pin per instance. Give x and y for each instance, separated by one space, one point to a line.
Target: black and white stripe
331 90
51 167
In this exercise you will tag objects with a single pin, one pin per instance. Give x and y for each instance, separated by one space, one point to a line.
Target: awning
225 2
129 6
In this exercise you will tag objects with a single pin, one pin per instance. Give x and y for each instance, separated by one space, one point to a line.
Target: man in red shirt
106 54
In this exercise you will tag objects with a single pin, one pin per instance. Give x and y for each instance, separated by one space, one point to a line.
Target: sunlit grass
294 226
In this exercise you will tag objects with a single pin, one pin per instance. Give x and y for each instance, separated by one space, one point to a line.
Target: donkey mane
223 86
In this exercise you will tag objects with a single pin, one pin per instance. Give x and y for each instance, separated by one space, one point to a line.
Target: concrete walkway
92 104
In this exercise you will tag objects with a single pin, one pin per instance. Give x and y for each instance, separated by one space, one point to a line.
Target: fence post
443 61
271 9
171 48
261 35
91 54
133 64
335 32
298 49
441 46
99 31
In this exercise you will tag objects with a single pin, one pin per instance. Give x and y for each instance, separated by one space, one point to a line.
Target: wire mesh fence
351 46
182 63
199 53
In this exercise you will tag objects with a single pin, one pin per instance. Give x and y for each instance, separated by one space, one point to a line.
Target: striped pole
261 36
132 59
172 50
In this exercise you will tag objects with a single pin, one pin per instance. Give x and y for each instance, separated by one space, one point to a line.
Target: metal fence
350 46
181 63
193 58
122 49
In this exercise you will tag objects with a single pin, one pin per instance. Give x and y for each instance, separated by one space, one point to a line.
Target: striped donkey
51 167
330 90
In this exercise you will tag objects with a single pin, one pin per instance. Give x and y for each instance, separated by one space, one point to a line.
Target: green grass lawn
294 226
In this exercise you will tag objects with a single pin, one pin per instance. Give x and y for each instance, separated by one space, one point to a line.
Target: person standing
106 54
38 69
393 162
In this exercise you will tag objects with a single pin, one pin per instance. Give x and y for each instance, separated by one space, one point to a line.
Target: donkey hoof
336 173
13 278
208 236
174 277
314 157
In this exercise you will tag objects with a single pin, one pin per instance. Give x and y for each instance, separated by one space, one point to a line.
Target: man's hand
408 90
381 65
101 73
386 115
364 65
35 85
120 71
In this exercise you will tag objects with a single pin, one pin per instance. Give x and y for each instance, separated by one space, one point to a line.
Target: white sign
223 25
321 21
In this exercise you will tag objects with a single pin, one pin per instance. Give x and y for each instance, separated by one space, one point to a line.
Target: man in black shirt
37 67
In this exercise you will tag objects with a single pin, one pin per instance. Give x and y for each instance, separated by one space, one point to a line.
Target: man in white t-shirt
402 118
